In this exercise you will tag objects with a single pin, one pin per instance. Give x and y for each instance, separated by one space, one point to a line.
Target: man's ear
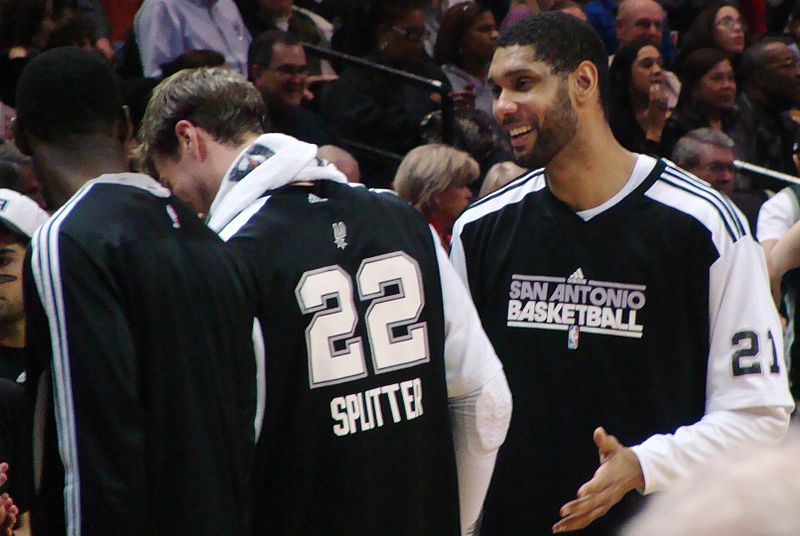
585 84
191 140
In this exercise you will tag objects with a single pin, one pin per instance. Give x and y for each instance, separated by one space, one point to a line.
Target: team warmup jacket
361 355
139 321
649 315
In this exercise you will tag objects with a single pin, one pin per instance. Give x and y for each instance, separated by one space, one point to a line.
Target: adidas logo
316 199
577 278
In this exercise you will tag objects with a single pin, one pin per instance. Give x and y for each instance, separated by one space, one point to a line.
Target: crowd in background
701 83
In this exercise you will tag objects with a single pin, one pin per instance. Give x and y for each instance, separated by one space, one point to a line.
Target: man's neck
590 170
66 168
12 335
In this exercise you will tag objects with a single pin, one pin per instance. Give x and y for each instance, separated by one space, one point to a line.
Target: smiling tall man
619 292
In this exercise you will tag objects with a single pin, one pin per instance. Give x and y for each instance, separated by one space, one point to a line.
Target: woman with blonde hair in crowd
435 179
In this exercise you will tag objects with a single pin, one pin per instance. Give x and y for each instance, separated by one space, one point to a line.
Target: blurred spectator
719 25
638 103
499 175
165 29
17 173
344 161
793 27
623 22
519 10
464 49
25 26
435 179
709 154
262 15
770 76
573 8
279 70
112 21
373 109
707 98
72 30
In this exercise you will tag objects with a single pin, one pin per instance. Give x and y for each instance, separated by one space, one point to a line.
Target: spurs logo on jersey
575 304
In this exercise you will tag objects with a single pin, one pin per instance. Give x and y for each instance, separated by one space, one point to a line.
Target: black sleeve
15 448
94 378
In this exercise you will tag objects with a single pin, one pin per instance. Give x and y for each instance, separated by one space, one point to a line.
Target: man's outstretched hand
619 473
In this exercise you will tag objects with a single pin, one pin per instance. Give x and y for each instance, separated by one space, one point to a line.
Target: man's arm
479 398
747 394
100 420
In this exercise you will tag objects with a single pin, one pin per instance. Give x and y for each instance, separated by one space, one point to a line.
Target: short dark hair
66 92
562 42
260 51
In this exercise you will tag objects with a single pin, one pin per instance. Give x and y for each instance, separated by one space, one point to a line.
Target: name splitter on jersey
575 304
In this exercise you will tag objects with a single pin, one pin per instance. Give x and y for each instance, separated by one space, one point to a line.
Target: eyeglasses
288 69
415 35
729 23
720 167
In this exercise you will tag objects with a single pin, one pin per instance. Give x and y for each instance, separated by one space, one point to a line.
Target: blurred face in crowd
717 88
402 43
12 254
532 104
715 166
575 12
640 19
480 38
283 81
729 30
646 70
780 74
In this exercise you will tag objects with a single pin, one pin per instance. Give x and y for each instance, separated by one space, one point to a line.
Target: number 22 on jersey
335 353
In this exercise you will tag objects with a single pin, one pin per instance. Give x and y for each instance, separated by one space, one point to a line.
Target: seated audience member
638 103
793 28
570 7
435 179
111 20
464 48
343 160
279 70
646 20
719 25
521 9
370 108
770 86
499 175
165 29
72 29
17 173
751 491
25 26
262 15
708 95
709 154
192 59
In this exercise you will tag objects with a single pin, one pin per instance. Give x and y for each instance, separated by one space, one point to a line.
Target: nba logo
573 337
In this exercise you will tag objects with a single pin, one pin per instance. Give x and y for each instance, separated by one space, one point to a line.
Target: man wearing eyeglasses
278 68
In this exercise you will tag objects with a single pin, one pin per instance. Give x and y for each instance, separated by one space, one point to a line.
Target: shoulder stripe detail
516 183
734 235
46 269
713 195
508 195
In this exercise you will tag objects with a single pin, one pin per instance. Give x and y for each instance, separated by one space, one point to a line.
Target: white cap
20 213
